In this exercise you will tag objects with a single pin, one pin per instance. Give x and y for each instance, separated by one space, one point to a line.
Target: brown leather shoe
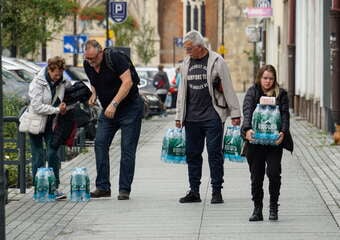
100 193
123 195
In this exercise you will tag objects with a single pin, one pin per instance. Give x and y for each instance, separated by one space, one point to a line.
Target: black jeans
258 156
196 133
162 97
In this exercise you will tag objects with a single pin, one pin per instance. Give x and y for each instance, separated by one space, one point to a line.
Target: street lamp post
222 40
75 34
107 22
2 175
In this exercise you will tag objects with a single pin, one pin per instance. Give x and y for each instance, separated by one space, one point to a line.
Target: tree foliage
28 23
92 13
125 32
145 43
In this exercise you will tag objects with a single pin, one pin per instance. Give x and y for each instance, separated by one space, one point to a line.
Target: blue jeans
39 155
129 120
196 133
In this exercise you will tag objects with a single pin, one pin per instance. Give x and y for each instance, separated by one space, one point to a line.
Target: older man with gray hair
205 99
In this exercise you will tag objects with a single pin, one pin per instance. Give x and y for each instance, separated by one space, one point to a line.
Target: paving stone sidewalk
309 198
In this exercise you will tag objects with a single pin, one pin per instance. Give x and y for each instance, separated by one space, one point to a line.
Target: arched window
194 17
263 3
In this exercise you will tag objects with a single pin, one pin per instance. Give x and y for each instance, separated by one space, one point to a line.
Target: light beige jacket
216 67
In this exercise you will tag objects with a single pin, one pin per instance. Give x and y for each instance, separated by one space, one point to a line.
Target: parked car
13 85
19 70
29 64
146 85
146 74
22 63
152 104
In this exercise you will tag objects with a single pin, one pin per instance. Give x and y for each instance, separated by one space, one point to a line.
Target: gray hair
195 37
93 43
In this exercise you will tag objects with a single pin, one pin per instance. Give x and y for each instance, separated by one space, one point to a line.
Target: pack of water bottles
266 124
173 147
44 185
232 144
80 185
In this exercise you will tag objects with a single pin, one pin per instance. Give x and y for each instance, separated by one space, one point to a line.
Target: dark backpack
108 53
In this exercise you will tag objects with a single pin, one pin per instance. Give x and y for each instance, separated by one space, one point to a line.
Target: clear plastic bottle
75 185
85 186
51 185
266 125
80 185
165 146
41 185
171 138
277 118
256 118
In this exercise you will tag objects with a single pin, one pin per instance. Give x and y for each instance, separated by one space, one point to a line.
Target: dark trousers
258 157
162 97
39 155
196 133
128 120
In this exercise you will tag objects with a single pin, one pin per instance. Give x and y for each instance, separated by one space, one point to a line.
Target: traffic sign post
178 41
74 43
118 11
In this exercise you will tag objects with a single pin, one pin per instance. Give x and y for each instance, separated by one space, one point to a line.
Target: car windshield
29 64
27 76
11 76
146 72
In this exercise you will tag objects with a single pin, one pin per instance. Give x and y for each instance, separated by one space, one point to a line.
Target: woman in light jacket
46 93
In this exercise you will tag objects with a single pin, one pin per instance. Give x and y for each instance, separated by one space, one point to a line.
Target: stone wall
235 41
170 25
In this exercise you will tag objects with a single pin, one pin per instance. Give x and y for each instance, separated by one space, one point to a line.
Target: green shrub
12 106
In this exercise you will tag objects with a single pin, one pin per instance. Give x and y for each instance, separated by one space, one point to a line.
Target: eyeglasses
92 59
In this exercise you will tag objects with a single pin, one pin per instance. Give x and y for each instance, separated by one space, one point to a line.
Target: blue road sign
74 43
118 11
178 41
108 43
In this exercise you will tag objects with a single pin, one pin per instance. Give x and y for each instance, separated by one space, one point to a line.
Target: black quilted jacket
252 98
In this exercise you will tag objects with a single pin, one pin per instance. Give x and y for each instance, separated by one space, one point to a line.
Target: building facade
304 46
171 20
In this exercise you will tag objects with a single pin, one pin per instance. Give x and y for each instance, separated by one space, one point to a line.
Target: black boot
257 213
273 209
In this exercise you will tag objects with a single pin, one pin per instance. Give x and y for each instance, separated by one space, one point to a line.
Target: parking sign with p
118 11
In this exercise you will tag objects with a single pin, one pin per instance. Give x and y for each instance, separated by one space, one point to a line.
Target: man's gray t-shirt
199 105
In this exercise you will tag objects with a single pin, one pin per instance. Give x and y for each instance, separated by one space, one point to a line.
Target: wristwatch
114 103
